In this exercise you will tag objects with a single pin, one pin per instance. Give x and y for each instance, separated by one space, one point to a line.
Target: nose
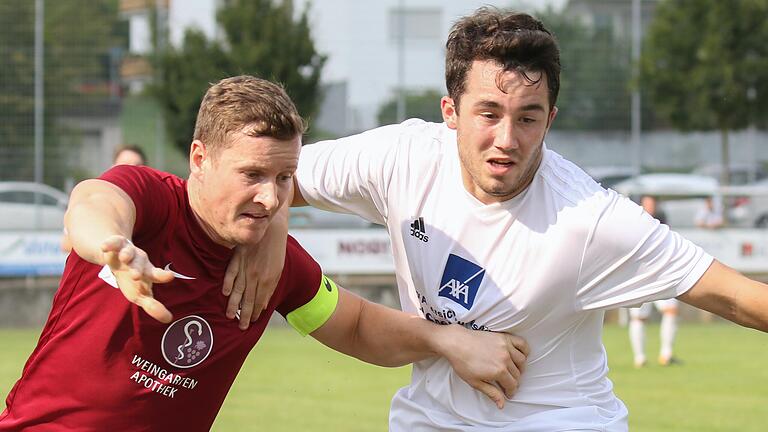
505 136
267 195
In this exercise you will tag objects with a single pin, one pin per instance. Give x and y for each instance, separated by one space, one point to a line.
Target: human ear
448 108
197 156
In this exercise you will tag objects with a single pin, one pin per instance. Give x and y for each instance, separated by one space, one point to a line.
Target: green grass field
290 383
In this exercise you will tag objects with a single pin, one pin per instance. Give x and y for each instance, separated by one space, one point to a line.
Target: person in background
710 216
124 155
129 155
667 307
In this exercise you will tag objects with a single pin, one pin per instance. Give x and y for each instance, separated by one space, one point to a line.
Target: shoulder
569 183
134 179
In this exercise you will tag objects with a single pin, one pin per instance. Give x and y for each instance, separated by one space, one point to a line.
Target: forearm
751 305
731 295
96 213
391 338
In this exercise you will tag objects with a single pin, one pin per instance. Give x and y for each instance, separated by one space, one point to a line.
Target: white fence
364 251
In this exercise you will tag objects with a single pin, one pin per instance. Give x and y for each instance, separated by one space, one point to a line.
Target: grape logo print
187 342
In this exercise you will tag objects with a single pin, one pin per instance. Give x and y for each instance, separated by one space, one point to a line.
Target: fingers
161 276
508 382
262 298
519 344
490 390
135 275
246 306
235 297
518 350
155 309
233 268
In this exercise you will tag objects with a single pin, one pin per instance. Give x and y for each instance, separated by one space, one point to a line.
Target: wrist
443 339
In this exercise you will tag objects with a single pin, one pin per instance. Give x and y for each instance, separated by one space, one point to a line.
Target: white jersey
543 265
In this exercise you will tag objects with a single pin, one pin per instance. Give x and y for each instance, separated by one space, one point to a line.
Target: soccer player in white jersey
492 230
668 308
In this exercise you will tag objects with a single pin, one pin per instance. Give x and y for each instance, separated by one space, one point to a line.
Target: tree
705 65
77 45
424 105
258 37
594 83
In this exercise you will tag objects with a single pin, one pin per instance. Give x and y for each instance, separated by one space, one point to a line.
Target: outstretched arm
489 362
731 295
99 222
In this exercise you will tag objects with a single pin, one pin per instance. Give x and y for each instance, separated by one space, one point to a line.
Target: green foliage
77 45
258 37
595 75
424 105
705 66
706 63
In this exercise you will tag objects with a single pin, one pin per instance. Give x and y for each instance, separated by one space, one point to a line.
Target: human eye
252 174
285 177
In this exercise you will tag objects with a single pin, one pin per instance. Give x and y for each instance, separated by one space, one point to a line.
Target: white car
31 206
608 176
748 204
680 196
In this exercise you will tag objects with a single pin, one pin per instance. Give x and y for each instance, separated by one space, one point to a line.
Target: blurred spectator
668 309
710 216
124 155
649 204
129 155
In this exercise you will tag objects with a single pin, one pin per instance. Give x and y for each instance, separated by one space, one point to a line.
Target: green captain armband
316 312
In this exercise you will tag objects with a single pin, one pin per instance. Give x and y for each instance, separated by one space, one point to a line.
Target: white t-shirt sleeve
351 175
630 258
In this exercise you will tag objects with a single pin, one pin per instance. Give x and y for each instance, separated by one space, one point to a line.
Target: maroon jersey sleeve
149 189
302 276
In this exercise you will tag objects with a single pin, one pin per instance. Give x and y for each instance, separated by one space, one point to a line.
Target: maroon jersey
103 363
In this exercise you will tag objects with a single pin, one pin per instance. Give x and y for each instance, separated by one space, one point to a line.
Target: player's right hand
135 275
490 362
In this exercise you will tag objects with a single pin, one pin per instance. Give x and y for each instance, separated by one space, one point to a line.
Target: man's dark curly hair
516 41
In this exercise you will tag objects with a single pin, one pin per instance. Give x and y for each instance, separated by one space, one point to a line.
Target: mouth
500 165
255 217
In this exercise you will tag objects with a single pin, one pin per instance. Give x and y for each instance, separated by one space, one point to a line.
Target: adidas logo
417 230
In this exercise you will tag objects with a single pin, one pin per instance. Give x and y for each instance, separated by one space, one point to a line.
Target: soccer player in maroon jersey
163 244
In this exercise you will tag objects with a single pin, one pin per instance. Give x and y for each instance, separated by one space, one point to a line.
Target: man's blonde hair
234 103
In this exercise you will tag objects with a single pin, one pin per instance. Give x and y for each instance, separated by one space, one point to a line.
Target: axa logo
418 231
461 280
187 342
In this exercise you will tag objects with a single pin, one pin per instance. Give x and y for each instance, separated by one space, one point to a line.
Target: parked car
31 206
748 204
680 196
738 174
608 176
310 217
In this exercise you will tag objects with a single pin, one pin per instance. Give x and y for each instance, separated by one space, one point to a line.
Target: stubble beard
521 182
